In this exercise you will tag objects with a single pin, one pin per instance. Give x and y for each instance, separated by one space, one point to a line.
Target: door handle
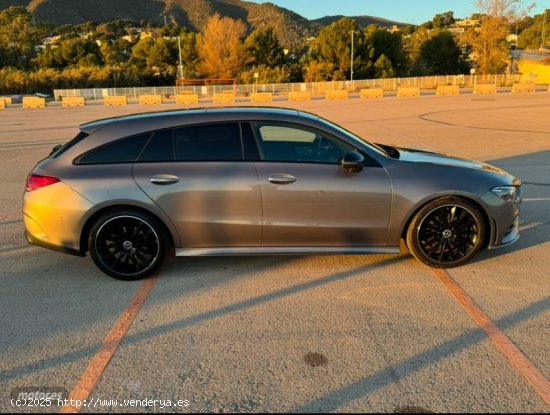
164 179
282 178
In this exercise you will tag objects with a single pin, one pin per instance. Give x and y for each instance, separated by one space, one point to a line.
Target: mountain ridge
290 27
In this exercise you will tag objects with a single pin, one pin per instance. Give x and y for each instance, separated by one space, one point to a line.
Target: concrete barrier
34 102
7 100
408 91
116 100
150 99
523 88
335 95
187 98
261 97
299 96
223 98
446 90
483 89
369 93
73 102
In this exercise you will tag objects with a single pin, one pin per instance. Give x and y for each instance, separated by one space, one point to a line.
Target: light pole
180 66
351 60
543 34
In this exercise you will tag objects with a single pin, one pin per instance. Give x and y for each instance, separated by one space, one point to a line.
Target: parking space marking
99 362
501 341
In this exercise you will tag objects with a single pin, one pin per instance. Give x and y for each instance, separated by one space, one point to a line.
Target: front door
309 200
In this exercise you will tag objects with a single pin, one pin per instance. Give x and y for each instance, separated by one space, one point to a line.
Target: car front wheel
446 233
127 245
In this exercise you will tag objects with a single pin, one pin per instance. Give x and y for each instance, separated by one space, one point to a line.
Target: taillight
35 181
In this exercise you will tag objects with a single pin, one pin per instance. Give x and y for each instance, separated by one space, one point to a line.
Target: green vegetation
36 57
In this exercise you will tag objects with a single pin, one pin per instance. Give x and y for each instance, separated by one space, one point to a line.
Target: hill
363 21
291 28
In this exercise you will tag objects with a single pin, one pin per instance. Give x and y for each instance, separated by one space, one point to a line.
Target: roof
196 113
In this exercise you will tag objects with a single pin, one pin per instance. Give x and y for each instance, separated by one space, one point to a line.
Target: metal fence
388 84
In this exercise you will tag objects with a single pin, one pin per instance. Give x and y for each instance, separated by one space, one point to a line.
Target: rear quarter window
125 150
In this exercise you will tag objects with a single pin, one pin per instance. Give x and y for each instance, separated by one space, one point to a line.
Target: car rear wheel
446 233
128 245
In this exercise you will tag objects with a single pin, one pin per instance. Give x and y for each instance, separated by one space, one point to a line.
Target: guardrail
386 84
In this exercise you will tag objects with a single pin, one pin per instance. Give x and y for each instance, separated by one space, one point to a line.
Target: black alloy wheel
446 233
127 245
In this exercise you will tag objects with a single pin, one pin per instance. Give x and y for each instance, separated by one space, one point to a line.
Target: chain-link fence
388 84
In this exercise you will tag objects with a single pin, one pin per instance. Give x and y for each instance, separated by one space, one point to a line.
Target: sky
405 11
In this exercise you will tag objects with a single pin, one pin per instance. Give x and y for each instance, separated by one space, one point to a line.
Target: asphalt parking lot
292 334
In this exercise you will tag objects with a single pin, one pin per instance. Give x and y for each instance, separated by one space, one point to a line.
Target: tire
128 245
446 233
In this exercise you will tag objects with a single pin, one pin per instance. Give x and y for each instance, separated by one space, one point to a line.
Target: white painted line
537 199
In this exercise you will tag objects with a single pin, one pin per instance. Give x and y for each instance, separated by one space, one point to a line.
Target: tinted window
120 151
298 144
159 148
79 137
209 142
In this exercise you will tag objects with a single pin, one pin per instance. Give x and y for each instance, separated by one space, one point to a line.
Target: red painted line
502 342
101 359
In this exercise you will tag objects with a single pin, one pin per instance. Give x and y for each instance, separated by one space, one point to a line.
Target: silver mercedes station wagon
132 190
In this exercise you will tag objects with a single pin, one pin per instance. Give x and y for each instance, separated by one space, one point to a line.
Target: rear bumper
53 218
66 250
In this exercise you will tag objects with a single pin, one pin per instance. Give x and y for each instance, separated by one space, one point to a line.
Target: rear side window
125 150
209 142
79 137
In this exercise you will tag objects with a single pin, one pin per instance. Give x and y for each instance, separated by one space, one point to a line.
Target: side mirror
353 161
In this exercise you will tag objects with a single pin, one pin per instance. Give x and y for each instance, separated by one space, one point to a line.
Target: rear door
197 175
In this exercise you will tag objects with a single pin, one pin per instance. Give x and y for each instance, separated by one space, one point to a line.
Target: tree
532 33
390 45
488 42
189 56
443 20
18 37
333 47
440 55
263 48
220 49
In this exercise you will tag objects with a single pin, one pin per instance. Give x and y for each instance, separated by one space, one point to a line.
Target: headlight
507 193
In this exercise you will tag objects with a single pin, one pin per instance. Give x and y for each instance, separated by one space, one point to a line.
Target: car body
245 181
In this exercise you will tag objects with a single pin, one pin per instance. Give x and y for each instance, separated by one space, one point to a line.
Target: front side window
125 150
279 142
209 142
